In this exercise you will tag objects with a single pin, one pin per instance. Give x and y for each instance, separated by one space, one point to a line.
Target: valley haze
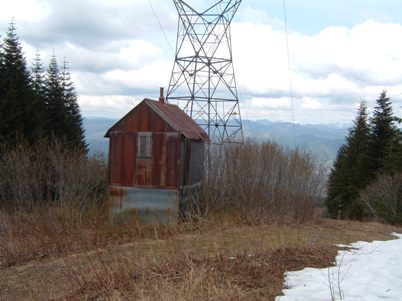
322 140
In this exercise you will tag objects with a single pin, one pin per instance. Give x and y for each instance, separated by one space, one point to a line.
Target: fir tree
2 77
18 113
385 147
56 110
336 197
38 87
2 93
351 170
38 76
75 130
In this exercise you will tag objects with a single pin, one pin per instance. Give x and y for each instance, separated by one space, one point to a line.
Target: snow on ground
366 272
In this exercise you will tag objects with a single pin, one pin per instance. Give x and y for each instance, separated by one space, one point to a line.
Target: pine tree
2 77
75 130
38 76
337 182
56 111
38 87
351 170
18 114
386 146
2 93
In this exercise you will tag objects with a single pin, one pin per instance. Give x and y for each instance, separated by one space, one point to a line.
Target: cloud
117 53
335 67
90 23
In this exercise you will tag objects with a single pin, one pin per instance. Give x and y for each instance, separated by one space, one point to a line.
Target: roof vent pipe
161 97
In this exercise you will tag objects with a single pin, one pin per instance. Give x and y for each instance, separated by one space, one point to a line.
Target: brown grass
185 276
52 231
256 220
223 261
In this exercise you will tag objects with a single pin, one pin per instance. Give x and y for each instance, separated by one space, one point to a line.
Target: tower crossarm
203 81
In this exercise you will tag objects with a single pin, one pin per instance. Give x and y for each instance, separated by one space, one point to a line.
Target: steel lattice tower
203 81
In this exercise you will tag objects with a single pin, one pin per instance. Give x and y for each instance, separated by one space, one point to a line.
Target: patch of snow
366 272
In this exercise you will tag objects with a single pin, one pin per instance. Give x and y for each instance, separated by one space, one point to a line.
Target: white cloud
116 49
270 103
24 11
309 103
336 66
115 106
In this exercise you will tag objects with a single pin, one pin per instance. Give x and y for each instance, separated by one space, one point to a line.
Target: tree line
36 103
371 155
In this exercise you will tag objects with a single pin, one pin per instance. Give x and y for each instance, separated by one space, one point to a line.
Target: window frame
144 151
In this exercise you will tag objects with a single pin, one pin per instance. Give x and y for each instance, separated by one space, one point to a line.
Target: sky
340 53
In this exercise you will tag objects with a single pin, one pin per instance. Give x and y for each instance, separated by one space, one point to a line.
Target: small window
144 145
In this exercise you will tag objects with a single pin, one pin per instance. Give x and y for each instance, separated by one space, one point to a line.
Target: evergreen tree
2 93
386 146
56 111
337 182
74 127
2 78
18 113
351 170
38 87
38 76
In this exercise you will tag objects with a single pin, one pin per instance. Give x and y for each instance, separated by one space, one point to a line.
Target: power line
160 25
290 73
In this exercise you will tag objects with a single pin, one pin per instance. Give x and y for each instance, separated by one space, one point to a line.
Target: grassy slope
222 261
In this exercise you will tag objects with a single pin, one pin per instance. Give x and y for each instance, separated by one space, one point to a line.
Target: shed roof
173 115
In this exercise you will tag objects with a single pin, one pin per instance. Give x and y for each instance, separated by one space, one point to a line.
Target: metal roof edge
152 104
107 135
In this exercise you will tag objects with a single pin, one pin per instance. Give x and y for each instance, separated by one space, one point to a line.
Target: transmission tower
203 81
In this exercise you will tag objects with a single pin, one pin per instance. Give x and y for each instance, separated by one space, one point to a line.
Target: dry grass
53 231
56 242
208 263
186 276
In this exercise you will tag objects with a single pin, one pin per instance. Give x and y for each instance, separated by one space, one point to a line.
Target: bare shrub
383 198
263 182
52 200
49 173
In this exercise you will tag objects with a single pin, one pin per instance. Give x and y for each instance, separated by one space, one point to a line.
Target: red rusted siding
116 141
128 155
159 171
173 161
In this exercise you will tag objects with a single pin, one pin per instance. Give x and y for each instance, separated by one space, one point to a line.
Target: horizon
98 117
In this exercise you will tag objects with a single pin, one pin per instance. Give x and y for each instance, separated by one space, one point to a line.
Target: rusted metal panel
160 125
115 155
145 121
179 120
128 157
159 156
147 205
156 153
173 161
197 161
141 119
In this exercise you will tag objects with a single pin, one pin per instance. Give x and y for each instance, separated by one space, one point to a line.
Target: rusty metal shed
156 152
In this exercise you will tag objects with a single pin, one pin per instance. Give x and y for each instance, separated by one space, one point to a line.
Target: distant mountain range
322 140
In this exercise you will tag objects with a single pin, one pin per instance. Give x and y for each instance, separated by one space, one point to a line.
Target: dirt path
51 279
